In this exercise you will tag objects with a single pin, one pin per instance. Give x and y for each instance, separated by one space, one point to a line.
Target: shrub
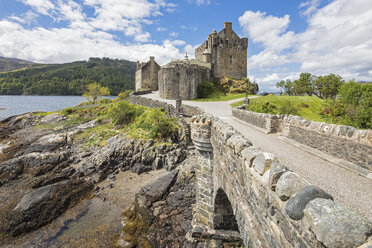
157 124
104 101
68 111
287 108
352 107
122 112
124 95
263 107
206 89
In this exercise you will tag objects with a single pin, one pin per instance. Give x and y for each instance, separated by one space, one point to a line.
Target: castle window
227 42
230 59
206 44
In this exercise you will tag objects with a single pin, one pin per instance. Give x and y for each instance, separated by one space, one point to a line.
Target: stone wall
270 123
181 80
273 207
340 141
185 110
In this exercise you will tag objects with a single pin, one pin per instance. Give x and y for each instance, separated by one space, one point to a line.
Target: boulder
296 205
43 205
263 161
289 184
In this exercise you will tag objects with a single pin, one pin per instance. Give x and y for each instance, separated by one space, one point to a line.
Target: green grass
308 107
139 123
97 136
219 97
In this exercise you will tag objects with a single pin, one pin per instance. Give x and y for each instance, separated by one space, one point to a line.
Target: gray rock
33 197
249 154
289 184
52 118
276 171
263 161
156 190
347 229
297 204
336 226
238 143
87 125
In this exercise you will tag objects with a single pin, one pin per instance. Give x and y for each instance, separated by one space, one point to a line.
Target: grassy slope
141 127
311 112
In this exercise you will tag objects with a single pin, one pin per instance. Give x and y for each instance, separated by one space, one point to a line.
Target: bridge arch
223 217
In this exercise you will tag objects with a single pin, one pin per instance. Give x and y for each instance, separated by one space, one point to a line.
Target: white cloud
42 6
85 37
161 29
66 44
174 34
269 30
338 40
309 7
200 2
178 42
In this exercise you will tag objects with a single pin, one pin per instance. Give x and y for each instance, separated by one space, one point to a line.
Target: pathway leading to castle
348 188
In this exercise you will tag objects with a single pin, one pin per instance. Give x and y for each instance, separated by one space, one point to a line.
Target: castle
222 54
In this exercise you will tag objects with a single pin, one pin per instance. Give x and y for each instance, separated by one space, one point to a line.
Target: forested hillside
10 64
69 78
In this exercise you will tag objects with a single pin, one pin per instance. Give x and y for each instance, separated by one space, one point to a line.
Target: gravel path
348 188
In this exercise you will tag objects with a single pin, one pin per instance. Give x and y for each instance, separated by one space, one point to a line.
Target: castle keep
222 54
226 52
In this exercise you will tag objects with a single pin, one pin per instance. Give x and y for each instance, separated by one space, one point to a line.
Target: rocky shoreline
49 183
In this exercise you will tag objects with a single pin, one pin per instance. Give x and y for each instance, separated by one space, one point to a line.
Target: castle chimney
228 25
138 65
228 28
152 58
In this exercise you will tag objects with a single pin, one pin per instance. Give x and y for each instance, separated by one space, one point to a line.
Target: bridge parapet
241 188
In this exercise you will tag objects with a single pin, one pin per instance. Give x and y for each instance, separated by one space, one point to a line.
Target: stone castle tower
147 75
226 52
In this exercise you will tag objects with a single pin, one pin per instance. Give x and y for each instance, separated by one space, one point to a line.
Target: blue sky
286 37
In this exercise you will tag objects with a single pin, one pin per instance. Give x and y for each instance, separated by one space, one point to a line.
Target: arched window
231 59
224 218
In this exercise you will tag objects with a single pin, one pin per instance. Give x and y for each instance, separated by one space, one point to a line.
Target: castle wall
181 81
147 75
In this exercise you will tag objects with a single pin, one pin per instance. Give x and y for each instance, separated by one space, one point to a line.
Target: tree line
349 103
69 78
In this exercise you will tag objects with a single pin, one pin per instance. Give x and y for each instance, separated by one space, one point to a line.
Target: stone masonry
147 75
227 53
245 193
343 142
243 190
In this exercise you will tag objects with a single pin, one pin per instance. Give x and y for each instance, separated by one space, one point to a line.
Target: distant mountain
69 78
11 64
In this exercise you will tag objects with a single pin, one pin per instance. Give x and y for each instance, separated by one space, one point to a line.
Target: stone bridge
246 193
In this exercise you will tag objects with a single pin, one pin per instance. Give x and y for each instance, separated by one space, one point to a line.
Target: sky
286 37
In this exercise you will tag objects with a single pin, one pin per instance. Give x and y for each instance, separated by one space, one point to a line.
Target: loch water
15 105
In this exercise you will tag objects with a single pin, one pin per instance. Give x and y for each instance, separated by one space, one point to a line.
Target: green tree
286 87
304 85
327 86
94 92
